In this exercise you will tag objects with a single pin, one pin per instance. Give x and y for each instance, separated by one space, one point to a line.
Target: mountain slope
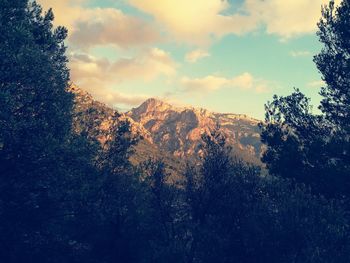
95 118
169 133
178 130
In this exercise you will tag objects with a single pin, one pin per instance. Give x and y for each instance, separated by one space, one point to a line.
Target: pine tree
333 62
315 149
35 123
237 215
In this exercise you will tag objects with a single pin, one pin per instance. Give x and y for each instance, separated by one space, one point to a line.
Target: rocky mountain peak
153 104
178 130
173 130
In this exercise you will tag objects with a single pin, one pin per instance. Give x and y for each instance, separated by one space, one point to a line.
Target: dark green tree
298 145
241 216
113 223
314 149
38 152
165 212
333 62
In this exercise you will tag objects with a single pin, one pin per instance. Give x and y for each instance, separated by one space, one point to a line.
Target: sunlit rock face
168 130
98 118
178 130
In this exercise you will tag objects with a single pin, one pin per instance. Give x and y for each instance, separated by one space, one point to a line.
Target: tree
164 210
314 149
333 62
297 144
241 216
36 143
112 225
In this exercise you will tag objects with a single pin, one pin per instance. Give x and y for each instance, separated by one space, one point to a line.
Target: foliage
314 149
242 217
35 120
333 64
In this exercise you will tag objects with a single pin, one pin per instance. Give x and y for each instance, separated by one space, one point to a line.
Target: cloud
286 18
200 22
147 66
316 84
150 65
211 83
65 11
300 53
195 55
208 83
112 97
111 26
101 76
197 21
90 27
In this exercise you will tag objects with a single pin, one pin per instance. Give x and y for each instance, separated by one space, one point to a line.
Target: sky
228 56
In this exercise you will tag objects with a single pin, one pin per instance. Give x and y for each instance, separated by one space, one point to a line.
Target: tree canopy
314 149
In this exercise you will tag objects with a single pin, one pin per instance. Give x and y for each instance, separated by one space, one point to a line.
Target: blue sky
226 56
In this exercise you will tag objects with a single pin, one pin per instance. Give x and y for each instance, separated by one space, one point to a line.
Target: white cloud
100 76
286 18
316 84
211 83
111 26
208 83
101 26
195 55
195 22
300 53
112 97
147 66
199 22
66 11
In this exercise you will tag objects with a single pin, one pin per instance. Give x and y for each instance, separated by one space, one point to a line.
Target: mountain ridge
178 130
169 130
157 101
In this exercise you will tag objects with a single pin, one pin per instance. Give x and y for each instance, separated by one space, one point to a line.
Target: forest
65 197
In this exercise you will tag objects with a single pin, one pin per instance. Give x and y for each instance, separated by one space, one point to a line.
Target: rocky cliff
178 130
170 132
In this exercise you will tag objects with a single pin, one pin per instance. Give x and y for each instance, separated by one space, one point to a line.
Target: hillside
178 130
168 132
95 118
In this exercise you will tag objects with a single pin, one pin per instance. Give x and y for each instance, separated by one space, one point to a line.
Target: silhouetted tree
113 224
164 208
315 149
241 216
44 168
297 144
333 64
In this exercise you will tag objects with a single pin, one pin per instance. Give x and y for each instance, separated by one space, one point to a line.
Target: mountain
95 118
169 133
178 130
